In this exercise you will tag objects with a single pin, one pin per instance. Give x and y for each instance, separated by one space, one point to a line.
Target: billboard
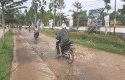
95 17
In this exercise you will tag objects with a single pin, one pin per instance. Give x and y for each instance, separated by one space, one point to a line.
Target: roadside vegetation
6 55
98 41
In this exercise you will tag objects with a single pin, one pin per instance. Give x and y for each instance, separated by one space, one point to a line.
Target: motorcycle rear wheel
70 57
35 36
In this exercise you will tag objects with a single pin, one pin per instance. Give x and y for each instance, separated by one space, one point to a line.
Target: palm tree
79 7
7 5
108 7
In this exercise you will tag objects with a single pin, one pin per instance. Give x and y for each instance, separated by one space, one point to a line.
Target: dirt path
89 64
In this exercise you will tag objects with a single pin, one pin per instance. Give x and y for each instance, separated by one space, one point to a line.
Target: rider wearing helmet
63 37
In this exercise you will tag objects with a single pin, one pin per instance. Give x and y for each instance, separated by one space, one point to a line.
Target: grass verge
107 43
6 55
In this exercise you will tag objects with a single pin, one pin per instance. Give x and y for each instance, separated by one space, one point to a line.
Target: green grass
101 46
102 42
6 55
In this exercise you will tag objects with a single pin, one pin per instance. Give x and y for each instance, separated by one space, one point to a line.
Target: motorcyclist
36 31
63 37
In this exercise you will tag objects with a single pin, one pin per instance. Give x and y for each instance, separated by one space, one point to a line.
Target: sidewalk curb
14 61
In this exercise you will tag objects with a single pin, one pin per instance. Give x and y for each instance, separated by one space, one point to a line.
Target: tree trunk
77 23
3 26
60 18
35 15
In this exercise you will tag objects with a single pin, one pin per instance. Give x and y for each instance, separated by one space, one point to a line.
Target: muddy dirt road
38 61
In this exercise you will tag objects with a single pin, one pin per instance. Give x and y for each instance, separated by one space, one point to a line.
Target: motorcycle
36 35
67 51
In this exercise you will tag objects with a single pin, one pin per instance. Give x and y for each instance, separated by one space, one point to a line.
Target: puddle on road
71 72
83 56
51 45
79 55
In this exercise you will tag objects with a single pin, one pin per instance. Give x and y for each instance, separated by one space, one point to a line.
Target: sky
86 5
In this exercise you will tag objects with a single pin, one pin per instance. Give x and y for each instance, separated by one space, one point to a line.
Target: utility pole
114 16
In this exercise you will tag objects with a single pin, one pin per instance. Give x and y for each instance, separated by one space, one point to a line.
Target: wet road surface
89 64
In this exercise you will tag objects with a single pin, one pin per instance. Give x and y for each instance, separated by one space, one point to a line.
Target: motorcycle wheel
70 57
35 36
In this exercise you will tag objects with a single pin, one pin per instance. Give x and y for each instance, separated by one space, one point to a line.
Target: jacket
63 35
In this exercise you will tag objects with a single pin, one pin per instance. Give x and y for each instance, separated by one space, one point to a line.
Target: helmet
63 25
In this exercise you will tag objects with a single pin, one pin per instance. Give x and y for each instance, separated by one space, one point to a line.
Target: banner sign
38 23
95 17
106 21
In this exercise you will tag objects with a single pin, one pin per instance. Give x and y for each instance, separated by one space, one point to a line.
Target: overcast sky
86 4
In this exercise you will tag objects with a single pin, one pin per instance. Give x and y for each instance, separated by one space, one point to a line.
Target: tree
82 18
107 1
42 11
38 5
30 15
53 7
60 6
79 8
6 6
35 5
48 16
108 7
21 19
